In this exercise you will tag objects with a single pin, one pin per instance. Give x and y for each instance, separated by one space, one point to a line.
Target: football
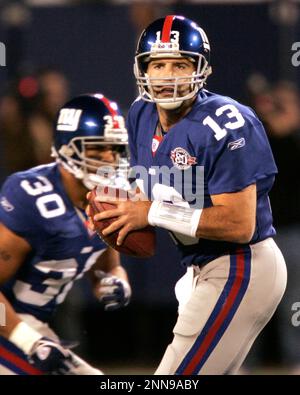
138 243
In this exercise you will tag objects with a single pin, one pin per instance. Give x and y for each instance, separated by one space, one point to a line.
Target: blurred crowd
27 112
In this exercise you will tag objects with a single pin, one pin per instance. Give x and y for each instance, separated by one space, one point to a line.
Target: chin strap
170 106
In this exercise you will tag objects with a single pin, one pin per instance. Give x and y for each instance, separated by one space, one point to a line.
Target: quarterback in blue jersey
45 243
204 163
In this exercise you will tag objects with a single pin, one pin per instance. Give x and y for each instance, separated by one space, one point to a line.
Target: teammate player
45 244
236 274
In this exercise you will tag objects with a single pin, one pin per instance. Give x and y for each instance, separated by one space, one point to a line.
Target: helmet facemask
146 84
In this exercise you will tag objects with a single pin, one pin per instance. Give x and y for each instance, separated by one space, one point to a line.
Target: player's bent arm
13 252
231 218
46 355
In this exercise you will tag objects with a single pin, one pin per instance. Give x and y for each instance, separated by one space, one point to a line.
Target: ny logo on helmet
203 35
68 119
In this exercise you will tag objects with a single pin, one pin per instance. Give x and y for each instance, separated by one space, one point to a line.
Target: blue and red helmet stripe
167 27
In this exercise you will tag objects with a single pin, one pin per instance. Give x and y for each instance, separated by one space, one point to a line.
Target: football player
45 244
209 168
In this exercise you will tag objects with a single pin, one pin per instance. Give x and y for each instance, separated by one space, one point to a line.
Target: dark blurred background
60 48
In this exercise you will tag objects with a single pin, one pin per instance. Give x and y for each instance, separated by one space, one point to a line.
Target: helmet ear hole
66 150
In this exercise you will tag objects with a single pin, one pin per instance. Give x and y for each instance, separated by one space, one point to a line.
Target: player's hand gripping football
132 214
51 358
113 292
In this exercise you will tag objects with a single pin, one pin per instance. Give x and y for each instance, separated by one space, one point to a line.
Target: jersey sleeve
240 159
18 212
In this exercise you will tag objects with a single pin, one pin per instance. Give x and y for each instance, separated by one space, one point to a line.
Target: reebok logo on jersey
236 144
182 159
7 206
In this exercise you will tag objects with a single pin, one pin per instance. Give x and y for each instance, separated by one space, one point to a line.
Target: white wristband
24 337
184 220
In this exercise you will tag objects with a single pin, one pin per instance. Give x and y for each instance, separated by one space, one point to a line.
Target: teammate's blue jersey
223 136
34 205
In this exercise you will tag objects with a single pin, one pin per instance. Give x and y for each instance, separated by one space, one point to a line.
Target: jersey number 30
49 205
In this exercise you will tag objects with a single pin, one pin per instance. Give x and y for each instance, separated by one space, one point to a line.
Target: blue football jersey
34 205
220 146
